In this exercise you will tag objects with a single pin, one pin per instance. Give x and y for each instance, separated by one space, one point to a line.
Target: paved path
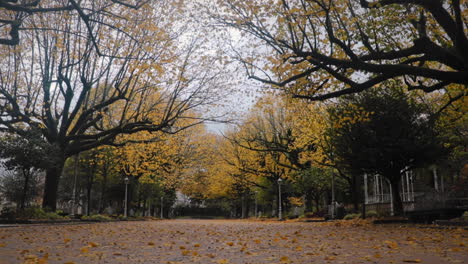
231 241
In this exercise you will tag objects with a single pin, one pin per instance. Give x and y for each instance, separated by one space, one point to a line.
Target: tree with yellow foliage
323 49
91 77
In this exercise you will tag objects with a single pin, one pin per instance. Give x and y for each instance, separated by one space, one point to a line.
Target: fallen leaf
391 244
84 249
412 260
92 244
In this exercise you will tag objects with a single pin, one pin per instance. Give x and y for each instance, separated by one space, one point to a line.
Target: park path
232 241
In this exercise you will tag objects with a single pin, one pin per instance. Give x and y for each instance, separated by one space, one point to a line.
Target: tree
313 184
78 97
21 186
25 156
322 49
384 132
19 11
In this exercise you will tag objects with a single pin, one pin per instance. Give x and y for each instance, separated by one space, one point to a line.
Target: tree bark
103 191
89 187
355 193
51 185
397 203
27 176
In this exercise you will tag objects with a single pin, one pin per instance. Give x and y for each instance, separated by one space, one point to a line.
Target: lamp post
280 213
162 206
126 180
256 204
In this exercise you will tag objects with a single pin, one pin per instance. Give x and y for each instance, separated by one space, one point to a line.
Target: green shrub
372 213
8 213
122 217
309 214
465 216
351 216
96 217
291 216
36 213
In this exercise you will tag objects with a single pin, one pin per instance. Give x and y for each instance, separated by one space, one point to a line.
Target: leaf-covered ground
232 241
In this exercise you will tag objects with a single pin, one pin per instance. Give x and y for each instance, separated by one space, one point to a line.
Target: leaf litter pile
232 241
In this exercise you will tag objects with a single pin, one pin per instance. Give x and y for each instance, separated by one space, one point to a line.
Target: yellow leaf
92 244
391 244
84 249
412 260
222 261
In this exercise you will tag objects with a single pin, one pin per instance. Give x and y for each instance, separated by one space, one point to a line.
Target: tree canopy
322 49
386 133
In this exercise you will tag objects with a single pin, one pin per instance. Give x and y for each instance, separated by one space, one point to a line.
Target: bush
291 216
351 216
96 217
319 214
31 213
309 214
8 213
372 213
465 216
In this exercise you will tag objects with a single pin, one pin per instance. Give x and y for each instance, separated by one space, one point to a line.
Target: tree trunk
397 203
103 191
27 176
355 193
309 203
243 207
51 185
88 195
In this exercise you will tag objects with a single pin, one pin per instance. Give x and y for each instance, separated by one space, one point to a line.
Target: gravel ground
232 241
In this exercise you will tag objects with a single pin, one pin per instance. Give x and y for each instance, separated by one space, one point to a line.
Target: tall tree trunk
52 179
355 193
243 207
88 196
309 202
397 203
103 191
27 176
317 203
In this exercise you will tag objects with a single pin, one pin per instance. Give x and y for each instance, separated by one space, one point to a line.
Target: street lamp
256 204
162 207
280 213
126 180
